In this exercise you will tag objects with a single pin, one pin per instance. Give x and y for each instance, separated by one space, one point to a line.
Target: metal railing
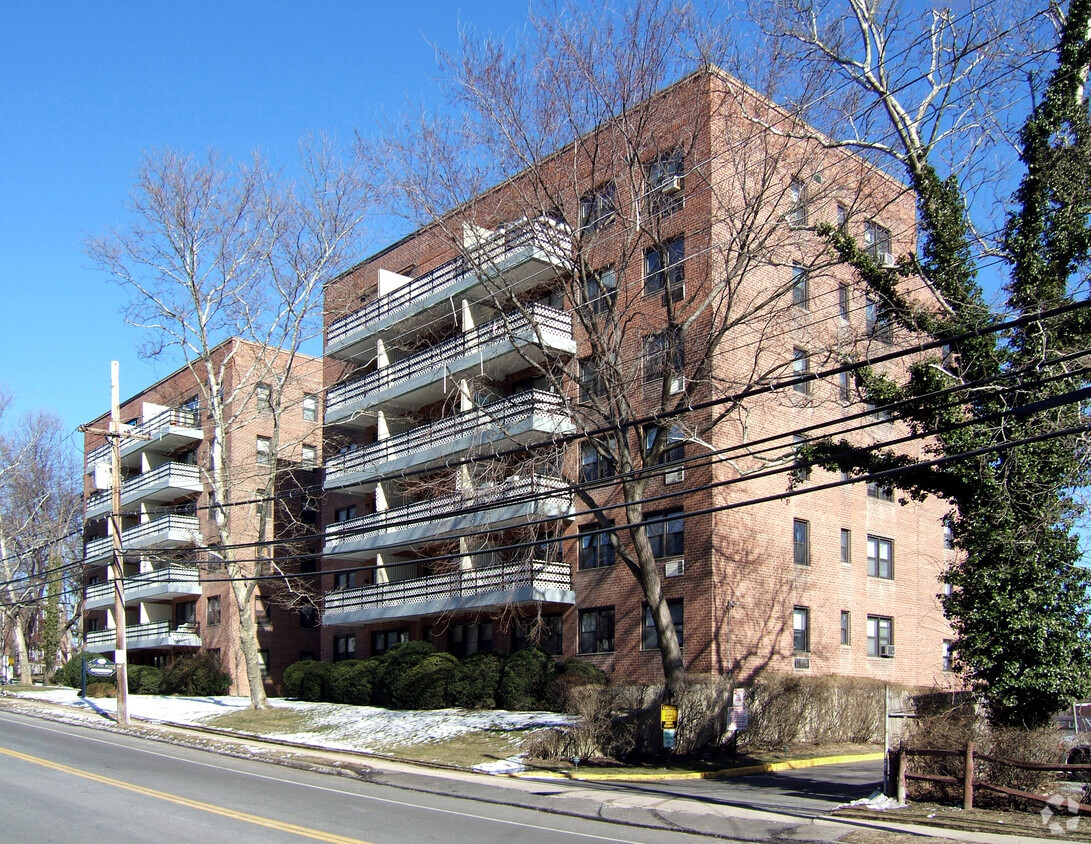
152 428
546 234
452 584
133 583
496 416
102 547
165 476
537 317
135 633
513 490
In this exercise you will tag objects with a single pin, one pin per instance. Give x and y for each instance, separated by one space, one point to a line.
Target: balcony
516 501
524 417
512 260
156 634
505 345
165 432
492 587
163 584
165 532
165 483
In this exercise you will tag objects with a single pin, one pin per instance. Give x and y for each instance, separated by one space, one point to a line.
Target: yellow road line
763 768
257 820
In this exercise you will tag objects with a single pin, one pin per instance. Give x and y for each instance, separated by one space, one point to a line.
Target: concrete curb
763 768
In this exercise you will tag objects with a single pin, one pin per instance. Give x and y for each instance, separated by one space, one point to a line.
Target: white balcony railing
183 477
549 239
161 583
538 321
483 424
166 531
151 635
450 587
151 429
435 518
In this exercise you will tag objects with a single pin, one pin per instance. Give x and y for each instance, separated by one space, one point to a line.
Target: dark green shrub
293 676
199 674
573 674
426 684
478 682
525 680
392 665
307 680
350 681
100 688
69 673
144 680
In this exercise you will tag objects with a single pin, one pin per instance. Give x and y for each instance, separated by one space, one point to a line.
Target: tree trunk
22 655
243 592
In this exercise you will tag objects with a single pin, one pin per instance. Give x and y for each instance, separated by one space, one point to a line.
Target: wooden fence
968 781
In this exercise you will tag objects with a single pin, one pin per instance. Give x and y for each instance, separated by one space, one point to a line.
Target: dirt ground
1015 823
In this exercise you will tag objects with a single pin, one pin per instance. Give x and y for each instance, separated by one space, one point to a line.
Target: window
600 291
649 638
846 627
801 542
947 656
263 662
877 321
546 632
797 196
92 625
594 466
846 546
343 514
842 219
596 551
469 639
880 557
308 615
263 612
666 182
880 636
844 386
802 467
344 647
664 268
265 451
801 366
597 631
344 580
663 355
263 394
843 302
878 491
948 537
666 533
308 457
877 243
597 208
212 611
801 630
384 640
673 452
310 408
591 382
801 294
185 612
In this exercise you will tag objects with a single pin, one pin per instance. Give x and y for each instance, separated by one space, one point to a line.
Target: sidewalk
711 814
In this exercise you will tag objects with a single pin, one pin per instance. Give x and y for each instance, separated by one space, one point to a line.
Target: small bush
199 674
70 673
350 681
307 680
478 682
573 674
144 680
392 665
101 689
525 680
426 684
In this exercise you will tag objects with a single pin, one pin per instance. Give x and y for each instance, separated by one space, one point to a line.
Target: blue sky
86 88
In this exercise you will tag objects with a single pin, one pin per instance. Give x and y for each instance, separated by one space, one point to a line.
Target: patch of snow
330 725
511 765
877 801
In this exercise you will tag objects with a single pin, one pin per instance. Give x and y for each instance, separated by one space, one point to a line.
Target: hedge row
198 674
414 675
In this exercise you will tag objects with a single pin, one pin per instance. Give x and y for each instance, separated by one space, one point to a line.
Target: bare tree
40 505
214 252
682 222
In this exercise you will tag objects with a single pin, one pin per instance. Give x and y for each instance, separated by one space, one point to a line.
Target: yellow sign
668 716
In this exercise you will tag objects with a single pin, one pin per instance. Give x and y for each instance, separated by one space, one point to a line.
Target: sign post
668 720
99 668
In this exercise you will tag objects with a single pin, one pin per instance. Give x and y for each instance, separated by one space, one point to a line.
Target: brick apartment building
633 285
174 604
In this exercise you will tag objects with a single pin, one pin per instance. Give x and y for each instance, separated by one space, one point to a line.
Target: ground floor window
880 636
597 630
344 647
384 640
469 639
546 632
649 640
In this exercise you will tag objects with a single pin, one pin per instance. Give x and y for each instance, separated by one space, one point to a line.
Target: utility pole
114 435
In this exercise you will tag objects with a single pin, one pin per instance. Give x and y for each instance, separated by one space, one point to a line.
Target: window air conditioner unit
678 384
671 185
674 476
887 259
803 662
674 568
886 650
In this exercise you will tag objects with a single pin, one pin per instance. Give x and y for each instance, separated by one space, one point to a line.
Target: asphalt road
63 783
